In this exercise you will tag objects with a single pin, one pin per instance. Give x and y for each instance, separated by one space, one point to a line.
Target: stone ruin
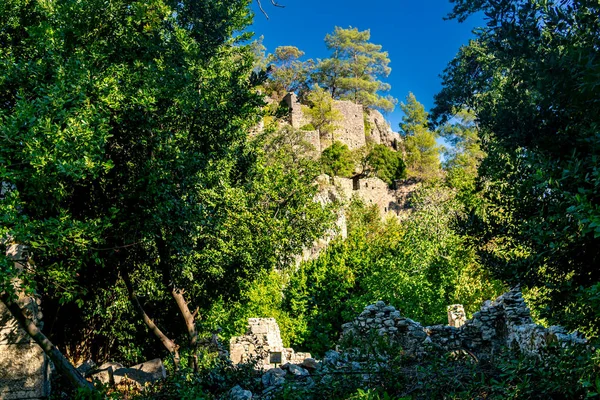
114 373
351 129
456 315
505 322
262 343
24 367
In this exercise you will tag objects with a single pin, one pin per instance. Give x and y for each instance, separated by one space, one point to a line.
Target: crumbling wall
24 367
374 191
505 322
350 129
262 343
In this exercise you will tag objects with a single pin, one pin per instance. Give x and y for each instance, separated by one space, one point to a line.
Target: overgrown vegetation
128 169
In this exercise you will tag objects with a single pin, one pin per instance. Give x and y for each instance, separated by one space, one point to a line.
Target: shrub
386 163
337 160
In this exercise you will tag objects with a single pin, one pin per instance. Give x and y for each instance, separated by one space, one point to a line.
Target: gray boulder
237 393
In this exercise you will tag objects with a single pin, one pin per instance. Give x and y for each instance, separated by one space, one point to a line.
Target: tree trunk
182 305
170 345
190 323
63 366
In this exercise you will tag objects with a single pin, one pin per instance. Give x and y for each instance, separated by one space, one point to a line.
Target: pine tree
420 146
287 72
355 69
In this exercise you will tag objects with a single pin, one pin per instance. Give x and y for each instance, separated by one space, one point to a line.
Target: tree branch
170 345
63 366
273 2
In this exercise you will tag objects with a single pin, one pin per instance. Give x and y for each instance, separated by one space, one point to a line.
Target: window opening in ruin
355 183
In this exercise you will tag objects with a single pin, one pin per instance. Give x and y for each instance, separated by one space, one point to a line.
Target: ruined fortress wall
262 343
374 191
313 138
296 117
350 131
24 367
505 322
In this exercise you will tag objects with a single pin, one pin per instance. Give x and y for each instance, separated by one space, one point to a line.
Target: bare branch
262 9
273 2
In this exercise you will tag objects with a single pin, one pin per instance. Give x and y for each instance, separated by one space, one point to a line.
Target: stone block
146 372
24 371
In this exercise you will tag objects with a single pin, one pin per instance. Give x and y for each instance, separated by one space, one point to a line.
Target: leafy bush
307 127
337 160
386 163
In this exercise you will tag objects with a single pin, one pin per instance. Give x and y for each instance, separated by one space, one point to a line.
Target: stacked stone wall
350 129
505 322
262 344
374 191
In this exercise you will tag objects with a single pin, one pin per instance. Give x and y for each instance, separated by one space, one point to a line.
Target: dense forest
148 165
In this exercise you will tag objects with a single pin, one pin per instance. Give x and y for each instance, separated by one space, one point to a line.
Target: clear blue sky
419 42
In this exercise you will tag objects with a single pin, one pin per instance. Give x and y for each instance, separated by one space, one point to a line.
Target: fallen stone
146 372
237 393
331 357
273 377
310 364
86 367
105 373
296 370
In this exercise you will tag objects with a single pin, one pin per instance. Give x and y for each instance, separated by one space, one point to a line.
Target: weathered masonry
24 367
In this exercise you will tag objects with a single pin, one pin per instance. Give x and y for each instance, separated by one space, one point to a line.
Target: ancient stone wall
374 191
350 131
327 195
505 322
262 343
314 139
296 117
24 367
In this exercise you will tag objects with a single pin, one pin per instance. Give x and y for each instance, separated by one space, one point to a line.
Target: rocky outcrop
113 373
379 130
505 322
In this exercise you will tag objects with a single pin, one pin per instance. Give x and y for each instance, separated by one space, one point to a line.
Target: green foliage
531 78
354 70
321 112
386 163
102 113
420 266
132 120
337 160
419 142
286 72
